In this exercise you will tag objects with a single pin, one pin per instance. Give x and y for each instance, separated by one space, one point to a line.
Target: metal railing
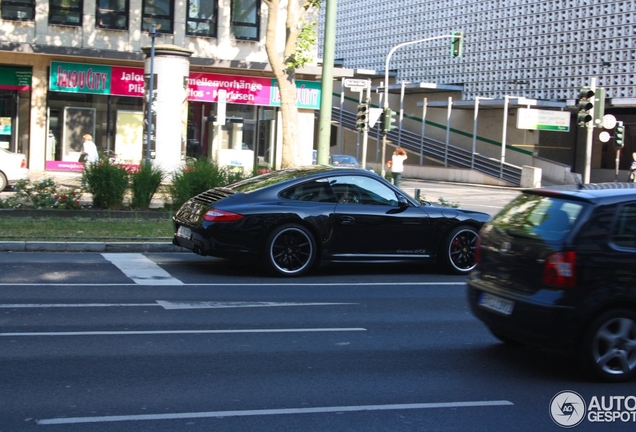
450 155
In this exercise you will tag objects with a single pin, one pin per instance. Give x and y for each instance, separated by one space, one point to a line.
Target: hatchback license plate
184 232
495 303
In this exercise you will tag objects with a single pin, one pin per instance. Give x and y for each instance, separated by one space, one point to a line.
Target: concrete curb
139 247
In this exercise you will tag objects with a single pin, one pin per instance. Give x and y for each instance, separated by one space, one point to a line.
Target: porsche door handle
346 220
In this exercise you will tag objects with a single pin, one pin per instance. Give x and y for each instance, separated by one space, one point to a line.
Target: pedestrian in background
89 150
397 165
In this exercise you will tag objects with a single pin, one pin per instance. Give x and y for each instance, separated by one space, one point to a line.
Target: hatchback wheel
503 338
458 250
609 347
290 251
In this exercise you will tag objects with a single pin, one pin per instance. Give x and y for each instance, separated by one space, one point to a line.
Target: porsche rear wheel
290 251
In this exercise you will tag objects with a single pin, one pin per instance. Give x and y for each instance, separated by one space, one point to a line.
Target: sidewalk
487 199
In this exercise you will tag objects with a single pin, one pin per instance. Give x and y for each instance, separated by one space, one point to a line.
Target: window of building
201 18
66 12
246 19
112 14
18 10
159 13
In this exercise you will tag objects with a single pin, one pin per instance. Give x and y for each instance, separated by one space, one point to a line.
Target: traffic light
457 43
586 106
599 107
362 118
388 120
619 135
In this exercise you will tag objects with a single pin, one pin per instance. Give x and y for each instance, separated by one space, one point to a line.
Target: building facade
71 67
541 50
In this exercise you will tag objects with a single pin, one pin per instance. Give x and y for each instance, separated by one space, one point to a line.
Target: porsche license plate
496 304
184 232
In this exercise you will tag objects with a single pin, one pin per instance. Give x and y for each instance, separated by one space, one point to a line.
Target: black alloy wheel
458 250
290 251
609 347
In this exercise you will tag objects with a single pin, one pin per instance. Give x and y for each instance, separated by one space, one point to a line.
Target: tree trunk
284 75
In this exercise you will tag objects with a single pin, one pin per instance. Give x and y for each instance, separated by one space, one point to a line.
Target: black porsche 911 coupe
293 220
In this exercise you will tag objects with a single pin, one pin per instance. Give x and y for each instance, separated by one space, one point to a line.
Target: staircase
454 156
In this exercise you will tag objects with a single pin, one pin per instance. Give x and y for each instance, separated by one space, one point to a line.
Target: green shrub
107 182
42 194
198 176
144 184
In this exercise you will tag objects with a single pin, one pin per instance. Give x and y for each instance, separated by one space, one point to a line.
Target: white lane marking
223 305
259 284
76 305
244 413
170 305
141 269
171 332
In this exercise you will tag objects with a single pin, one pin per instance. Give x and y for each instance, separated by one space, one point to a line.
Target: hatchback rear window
540 217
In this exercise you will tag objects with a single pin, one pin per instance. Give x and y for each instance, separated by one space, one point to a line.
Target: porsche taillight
560 270
216 215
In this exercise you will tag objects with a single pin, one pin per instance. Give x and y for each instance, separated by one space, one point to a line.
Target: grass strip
78 228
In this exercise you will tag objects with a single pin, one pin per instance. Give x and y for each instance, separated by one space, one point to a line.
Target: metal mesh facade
543 49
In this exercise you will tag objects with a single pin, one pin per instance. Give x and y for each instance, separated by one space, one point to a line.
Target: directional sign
558 121
374 115
352 83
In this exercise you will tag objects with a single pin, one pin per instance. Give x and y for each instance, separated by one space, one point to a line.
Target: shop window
246 18
66 12
201 18
159 13
112 14
18 10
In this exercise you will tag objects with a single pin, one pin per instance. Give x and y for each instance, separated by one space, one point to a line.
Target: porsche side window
362 190
310 191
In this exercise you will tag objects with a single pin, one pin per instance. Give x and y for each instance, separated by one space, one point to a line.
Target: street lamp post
151 84
386 83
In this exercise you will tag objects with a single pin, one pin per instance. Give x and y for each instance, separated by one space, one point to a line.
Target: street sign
352 83
608 121
356 89
374 115
558 121
604 136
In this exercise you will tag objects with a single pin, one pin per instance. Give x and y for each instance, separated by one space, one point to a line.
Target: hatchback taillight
216 215
23 163
478 251
560 270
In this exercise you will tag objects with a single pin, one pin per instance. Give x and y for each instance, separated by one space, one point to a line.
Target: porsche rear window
540 217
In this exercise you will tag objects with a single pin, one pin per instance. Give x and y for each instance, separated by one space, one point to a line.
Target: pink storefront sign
127 81
64 166
204 87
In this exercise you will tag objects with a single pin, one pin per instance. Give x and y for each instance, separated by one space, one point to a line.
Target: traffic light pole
589 137
365 133
386 83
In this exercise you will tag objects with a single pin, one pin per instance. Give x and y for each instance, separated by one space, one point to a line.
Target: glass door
8 101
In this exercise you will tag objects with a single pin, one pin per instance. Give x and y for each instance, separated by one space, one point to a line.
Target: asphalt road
177 342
